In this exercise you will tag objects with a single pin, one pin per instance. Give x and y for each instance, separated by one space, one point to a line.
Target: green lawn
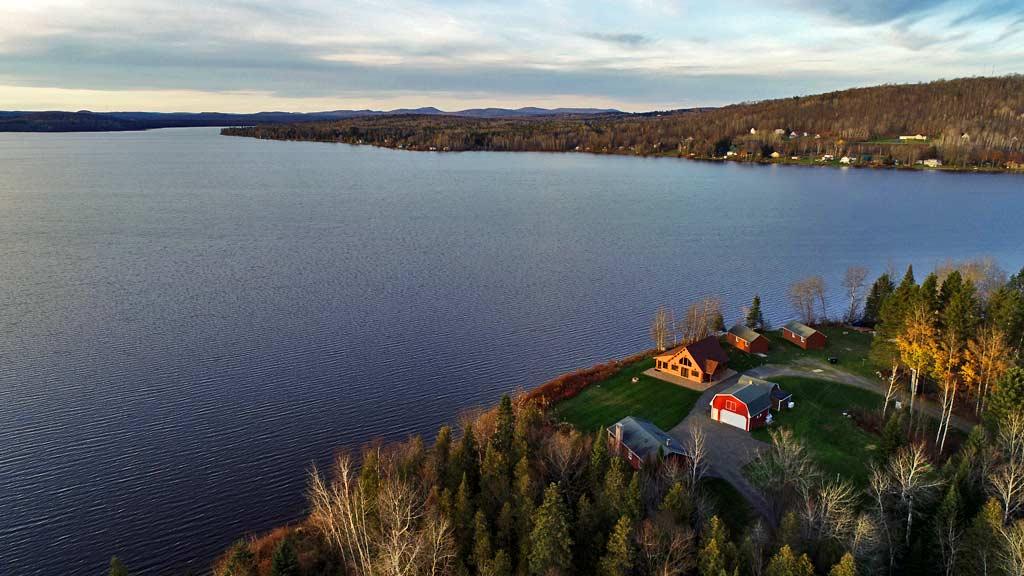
730 506
604 403
850 347
835 442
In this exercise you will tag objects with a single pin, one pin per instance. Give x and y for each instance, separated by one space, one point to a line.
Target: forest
964 123
513 490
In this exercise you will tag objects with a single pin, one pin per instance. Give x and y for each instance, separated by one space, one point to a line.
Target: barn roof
800 329
707 353
645 439
748 334
754 392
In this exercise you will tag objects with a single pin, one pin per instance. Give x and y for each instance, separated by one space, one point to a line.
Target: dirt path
806 368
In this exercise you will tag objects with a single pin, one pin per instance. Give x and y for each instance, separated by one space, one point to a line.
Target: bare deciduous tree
1013 551
854 281
699 321
1006 481
667 549
661 329
698 464
805 295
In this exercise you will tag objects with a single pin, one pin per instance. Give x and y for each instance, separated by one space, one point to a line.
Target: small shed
747 339
640 442
748 403
804 336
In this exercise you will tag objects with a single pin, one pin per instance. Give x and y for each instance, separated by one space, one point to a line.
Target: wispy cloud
632 55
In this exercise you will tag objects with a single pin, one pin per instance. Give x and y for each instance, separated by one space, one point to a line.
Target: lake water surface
187 320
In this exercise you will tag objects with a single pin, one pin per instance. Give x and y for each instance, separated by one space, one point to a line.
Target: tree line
967 122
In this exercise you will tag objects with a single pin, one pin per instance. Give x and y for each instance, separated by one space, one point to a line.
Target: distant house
914 137
747 339
730 153
748 403
641 442
753 130
827 158
794 134
804 336
775 155
845 160
779 132
698 361
932 162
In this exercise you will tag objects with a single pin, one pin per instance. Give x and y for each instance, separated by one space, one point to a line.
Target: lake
188 321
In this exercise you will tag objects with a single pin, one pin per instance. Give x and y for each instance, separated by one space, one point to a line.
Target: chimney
618 433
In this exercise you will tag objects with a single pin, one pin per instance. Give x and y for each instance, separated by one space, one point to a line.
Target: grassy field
850 347
730 506
835 442
604 403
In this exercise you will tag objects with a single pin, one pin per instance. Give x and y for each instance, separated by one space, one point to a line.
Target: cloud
623 39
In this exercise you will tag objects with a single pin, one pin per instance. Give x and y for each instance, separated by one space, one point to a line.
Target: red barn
804 336
697 361
747 339
747 404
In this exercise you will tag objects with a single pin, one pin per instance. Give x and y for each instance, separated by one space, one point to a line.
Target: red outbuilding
747 339
747 404
804 336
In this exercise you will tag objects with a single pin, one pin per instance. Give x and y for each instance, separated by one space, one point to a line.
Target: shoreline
810 163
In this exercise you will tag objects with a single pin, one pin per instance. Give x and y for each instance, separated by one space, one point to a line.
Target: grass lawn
604 403
730 506
850 347
835 442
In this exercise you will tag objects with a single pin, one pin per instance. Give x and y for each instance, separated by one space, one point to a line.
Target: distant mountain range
86 121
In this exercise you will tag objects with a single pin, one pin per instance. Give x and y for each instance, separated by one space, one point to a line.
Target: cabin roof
800 329
645 439
742 331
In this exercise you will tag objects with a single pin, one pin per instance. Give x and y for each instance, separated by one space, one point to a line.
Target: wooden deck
698 386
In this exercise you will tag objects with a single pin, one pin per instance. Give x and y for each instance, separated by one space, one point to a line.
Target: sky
633 55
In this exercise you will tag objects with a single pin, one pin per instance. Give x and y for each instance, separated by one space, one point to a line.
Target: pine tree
618 558
846 567
504 427
285 561
1008 395
718 555
929 293
789 531
786 563
891 318
961 314
506 526
525 490
755 319
464 515
614 490
550 542
117 568
880 291
718 323
467 459
501 565
678 502
482 551
893 435
588 536
440 456
1005 310
494 480
983 548
634 498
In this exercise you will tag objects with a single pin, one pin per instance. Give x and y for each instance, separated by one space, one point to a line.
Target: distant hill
968 122
85 121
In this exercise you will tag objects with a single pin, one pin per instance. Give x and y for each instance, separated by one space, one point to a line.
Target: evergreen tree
634 498
678 502
983 548
501 565
467 459
504 427
961 314
789 532
589 538
506 526
285 561
440 456
1005 310
718 555
240 561
929 293
614 490
482 551
618 559
598 466
494 480
952 285
893 435
891 317
1008 395
846 567
786 563
550 542
755 319
718 323
524 510
464 515
117 568
880 291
